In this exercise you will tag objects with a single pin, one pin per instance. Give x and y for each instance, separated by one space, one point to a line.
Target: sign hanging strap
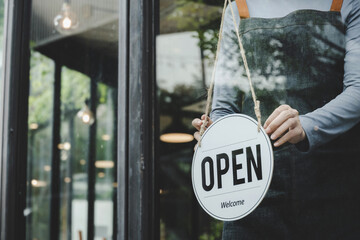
210 91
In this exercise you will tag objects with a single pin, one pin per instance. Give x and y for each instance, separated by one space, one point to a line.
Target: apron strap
336 5
244 11
242 8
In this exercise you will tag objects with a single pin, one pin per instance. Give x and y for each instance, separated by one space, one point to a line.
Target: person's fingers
299 135
195 147
280 119
283 139
197 123
293 136
275 113
197 136
283 128
209 122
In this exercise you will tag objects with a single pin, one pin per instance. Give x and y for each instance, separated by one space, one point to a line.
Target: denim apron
298 60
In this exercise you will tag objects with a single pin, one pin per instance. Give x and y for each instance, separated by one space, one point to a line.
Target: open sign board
232 170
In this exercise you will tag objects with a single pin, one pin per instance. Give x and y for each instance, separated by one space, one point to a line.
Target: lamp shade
177 132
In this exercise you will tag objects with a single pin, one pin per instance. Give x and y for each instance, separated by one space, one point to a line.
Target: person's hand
197 123
284 125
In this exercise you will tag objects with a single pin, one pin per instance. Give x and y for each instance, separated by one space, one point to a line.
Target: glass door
186 44
72 121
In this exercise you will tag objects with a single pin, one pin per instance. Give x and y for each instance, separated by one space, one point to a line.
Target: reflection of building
83 111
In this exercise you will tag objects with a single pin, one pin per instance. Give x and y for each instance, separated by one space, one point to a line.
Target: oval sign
232 170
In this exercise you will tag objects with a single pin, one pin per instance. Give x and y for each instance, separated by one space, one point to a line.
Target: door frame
137 197
137 131
14 115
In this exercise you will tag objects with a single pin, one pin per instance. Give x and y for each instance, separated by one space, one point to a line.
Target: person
305 66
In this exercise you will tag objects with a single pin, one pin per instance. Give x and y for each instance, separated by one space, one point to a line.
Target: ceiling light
47 168
38 183
106 137
104 164
86 115
176 137
33 126
101 174
66 21
64 146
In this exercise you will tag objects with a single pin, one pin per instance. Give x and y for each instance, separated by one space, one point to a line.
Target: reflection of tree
41 82
186 15
174 173
203 18
182 95
1 28
281 71
74 90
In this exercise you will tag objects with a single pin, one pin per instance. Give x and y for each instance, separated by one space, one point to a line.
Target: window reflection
73 148
72 160
185 55
1 36
39 145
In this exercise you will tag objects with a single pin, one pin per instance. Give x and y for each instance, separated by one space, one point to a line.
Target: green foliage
215 231
187 15
75 90
193 16
208 40
1 18
41 89
102 93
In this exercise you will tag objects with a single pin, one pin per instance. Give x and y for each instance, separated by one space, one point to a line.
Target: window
185 54
72 133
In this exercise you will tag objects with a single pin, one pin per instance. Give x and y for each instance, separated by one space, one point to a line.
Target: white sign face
232 170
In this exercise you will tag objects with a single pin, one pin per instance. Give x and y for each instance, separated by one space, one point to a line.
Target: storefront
97 99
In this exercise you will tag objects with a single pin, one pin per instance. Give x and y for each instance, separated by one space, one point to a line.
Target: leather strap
336 5
242 8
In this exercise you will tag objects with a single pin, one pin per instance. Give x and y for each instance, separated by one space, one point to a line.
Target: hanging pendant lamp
66 21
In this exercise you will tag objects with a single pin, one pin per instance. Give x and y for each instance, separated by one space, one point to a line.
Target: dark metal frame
137 192
13 123
123 133
55 161
91 164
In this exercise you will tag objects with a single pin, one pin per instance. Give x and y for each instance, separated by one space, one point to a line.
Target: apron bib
299 60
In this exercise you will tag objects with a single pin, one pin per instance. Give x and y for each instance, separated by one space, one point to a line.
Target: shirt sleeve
227 89
343 112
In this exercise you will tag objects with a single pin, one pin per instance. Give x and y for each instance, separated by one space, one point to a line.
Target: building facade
97 99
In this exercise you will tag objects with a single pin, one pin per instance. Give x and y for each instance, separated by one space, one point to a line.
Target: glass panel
1 44
73 43
1 33
74 150
106 184
39 145
185 55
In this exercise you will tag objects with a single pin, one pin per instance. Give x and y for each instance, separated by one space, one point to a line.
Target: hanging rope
210 91
256 102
